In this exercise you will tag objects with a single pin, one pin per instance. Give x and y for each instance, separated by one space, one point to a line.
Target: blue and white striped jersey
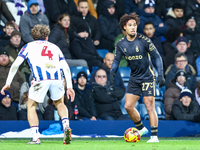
44 60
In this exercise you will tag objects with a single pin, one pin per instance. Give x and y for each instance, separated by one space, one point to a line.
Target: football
132 135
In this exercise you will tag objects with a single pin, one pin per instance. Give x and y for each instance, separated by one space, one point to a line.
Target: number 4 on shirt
49 54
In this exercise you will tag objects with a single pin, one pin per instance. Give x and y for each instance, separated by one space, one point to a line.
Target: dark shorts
141 87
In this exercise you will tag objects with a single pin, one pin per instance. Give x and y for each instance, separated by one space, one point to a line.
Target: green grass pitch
183 143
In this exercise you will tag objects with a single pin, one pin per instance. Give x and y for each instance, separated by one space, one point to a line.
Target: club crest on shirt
137 49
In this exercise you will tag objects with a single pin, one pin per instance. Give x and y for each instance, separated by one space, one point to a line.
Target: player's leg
33 121
130 101
153 118
63 113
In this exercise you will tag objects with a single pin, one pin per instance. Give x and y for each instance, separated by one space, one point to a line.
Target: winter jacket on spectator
171 94
5 11
8 113
193 37
190 113
119 5
57 36
85 102
16 83
192 7
144 17
191 76
91 22
130 6
4 39
108 25
173 21
55 8
28 21
107 100
169 3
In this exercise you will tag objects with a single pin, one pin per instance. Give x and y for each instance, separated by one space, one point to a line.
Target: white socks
65 122
35 132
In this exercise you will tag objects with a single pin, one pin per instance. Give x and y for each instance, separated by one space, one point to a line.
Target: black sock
154 131
139 125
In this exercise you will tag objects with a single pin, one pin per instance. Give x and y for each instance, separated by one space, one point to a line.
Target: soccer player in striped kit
48 65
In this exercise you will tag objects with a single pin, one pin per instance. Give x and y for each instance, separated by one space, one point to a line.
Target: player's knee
149 106
128 107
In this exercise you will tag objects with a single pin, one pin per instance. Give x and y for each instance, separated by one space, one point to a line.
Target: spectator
84 98
108 60
119 11
7 111
147 14
149 31
193 35
108 25
169 49
175 16
169 3
192 7
55 8
13 49
91 8
197 93
6 13
82 47
22 113
29 19
5 35
107 98
131 6
59 36
181 62
123 61
185 108
18 80
176 85
84 16
180 45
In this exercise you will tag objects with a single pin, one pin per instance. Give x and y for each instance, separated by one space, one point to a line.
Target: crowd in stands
80 28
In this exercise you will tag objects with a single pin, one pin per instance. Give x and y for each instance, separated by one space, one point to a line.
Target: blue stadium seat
102 52
125 73
143 112
159 106
198 66
76 70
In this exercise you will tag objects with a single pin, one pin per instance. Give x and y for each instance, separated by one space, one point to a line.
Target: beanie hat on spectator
181 73
15 33
186 92
3 51
81 74
189 17
31 2
149 3
181 39
177 5
7 94
82 28
108 4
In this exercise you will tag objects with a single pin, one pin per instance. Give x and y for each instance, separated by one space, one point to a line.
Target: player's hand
70 94
112 78
160 81
6 87
93 118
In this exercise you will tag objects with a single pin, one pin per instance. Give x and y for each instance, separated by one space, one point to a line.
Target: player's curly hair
125 18
40 32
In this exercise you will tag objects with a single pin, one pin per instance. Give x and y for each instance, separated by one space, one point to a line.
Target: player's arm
115 64
67 73
13 70
155 54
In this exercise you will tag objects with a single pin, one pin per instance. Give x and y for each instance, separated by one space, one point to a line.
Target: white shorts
39 89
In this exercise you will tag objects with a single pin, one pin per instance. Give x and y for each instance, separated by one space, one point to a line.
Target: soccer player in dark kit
138 50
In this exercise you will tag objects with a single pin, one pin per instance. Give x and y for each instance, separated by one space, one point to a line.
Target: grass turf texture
183 143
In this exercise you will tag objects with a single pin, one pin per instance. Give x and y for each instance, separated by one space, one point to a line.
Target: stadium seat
159 106
102 52
143 112
76 70
198 66
125 73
